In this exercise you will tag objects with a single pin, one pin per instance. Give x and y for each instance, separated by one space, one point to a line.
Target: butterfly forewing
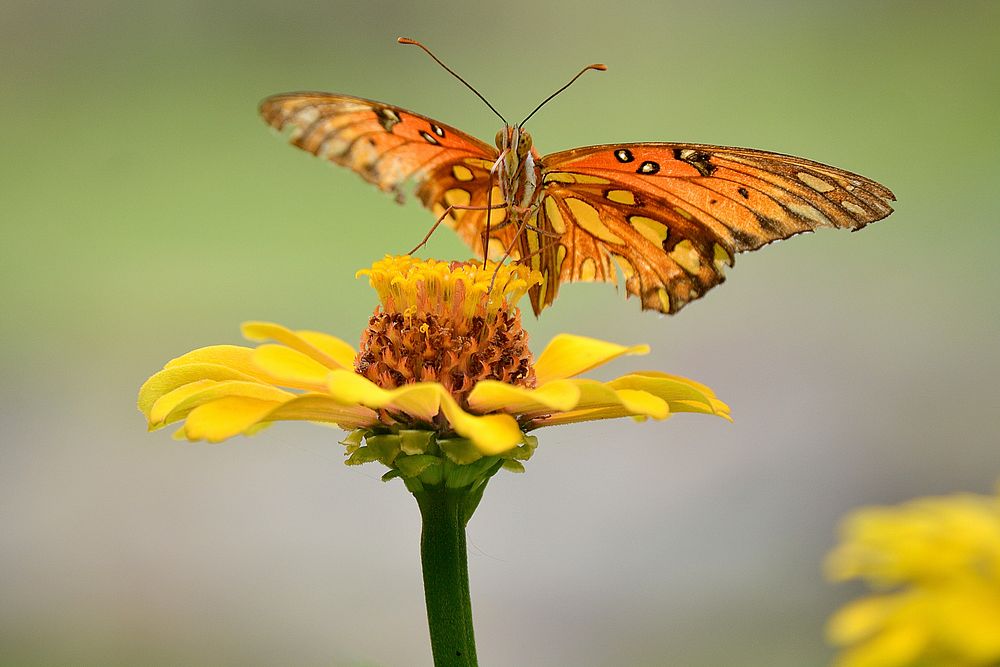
386 145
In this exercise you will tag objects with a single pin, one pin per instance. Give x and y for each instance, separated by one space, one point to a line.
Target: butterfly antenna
407 40
597 66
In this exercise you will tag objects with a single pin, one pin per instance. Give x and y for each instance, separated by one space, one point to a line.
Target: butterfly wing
390 146
672 215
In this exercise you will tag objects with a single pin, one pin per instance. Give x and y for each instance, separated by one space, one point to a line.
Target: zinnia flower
935 564
444 366
443 391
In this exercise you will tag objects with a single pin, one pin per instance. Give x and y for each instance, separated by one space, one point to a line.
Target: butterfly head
515 140
515 145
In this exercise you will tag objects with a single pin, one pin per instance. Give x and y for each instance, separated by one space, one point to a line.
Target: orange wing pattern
671 215
386 145
667 216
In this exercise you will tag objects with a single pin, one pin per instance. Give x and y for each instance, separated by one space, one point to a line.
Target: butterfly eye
524 144
501 135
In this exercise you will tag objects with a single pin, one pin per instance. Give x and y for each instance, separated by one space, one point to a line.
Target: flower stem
445 513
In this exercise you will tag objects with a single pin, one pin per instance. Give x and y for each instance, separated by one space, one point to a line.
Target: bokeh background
146 210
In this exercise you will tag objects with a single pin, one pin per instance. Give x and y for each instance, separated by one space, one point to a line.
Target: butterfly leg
444 215
520 260
525 214
489 209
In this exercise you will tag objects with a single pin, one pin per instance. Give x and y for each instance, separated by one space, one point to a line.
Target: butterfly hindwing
468 182
665 258
694 206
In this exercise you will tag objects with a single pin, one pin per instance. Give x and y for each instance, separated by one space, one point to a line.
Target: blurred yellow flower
443 367
935 566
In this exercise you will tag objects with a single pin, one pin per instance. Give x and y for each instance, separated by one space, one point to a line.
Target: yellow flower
443 368
935 563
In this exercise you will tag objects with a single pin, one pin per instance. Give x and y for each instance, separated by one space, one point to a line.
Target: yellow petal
600 395
341 351
420 400
236 357
291 368
491 434
493 396
859 619
309 345
897 646
176 376
166 403
322 408
682 394
225 417
229 389
576 416
567 355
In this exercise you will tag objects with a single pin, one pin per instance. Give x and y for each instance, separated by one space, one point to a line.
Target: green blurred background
146 210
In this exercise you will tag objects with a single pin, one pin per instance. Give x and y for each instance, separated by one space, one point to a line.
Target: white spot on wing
809 213
815 182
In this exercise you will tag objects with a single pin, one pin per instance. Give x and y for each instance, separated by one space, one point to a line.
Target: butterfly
669 217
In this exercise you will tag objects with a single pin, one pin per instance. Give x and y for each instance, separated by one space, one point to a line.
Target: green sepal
460 451
416 466
415 442
386 447
524 451
512 465
423 461
354 439
362 455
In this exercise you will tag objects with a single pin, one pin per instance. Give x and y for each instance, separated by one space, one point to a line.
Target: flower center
442 322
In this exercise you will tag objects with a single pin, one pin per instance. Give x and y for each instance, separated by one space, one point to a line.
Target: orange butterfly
668 215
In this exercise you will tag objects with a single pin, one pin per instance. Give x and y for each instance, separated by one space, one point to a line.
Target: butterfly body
667 217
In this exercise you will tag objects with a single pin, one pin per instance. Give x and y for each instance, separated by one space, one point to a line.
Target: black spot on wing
387 118
624 155
648 168
700 160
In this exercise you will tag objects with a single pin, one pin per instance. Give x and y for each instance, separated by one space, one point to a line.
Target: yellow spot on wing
479 162
685 255
457 197
684 214
621 196
654 230
554 216
721 258
664 299
588 270
439 211
461 173
566 177
590 220
560 258
532 238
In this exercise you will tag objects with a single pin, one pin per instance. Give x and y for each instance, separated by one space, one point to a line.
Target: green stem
446 574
